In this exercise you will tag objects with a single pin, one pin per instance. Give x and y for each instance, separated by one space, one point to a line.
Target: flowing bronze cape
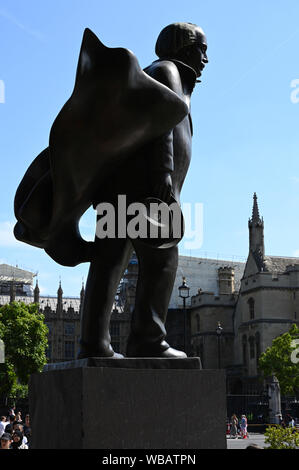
115 108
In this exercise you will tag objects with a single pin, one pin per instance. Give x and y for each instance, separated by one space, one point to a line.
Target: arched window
251 347
251 308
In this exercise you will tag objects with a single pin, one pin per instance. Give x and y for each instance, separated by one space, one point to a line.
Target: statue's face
197 54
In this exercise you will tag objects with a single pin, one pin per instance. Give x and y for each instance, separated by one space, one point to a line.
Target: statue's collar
188 72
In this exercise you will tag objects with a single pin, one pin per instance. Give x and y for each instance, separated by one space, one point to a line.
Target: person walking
27 429
243 426
292 423
280 420
3 424
18 417
234 426
10 421
11 411
287 419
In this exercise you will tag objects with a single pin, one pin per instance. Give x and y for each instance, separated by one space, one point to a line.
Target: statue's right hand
162 186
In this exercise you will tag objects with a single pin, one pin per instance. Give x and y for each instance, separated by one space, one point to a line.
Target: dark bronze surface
115 109
123 131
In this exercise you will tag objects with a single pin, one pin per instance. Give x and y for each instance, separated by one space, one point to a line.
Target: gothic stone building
264 307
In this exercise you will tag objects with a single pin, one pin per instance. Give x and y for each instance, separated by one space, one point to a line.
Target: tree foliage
277 360
24 333
281 438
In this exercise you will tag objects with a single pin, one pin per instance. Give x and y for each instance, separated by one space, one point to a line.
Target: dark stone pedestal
91 405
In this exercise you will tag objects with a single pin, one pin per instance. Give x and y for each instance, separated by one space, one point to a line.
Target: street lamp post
218 333
184 294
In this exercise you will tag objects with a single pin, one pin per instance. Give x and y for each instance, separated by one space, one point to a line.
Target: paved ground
258 439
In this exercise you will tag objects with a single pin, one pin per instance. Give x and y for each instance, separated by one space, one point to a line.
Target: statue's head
185 42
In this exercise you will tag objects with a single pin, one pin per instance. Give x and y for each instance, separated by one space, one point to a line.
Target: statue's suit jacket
169 153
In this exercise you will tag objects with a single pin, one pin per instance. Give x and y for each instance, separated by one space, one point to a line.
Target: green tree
25 337
278 360
281 438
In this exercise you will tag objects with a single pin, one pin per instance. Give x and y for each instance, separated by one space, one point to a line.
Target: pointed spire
255 209
59 307
256 231
255 219
36 292
59 291
82 293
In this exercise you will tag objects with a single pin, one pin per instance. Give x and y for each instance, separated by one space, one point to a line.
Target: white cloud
296 253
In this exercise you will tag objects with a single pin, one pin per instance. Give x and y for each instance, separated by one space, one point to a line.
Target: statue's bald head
175 37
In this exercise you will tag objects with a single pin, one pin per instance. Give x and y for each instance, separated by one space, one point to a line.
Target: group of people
238 427
287 421
15 433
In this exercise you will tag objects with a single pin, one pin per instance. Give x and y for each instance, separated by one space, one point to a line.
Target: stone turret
226 280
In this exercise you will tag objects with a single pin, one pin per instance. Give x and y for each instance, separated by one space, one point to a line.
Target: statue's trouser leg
110 259
156 276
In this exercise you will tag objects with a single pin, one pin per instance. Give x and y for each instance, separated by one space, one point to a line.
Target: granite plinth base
128 363
98 407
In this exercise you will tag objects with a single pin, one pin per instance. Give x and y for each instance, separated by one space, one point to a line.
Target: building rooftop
51 302
45 301
202 273
278 263
14 273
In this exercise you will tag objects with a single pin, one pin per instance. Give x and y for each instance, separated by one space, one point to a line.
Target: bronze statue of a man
123 131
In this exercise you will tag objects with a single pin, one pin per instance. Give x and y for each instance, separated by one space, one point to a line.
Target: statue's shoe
162 350
85 353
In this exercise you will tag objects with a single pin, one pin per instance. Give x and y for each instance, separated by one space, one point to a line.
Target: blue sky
246 133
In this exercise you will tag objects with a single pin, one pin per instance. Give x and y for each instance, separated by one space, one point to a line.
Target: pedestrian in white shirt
3 424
